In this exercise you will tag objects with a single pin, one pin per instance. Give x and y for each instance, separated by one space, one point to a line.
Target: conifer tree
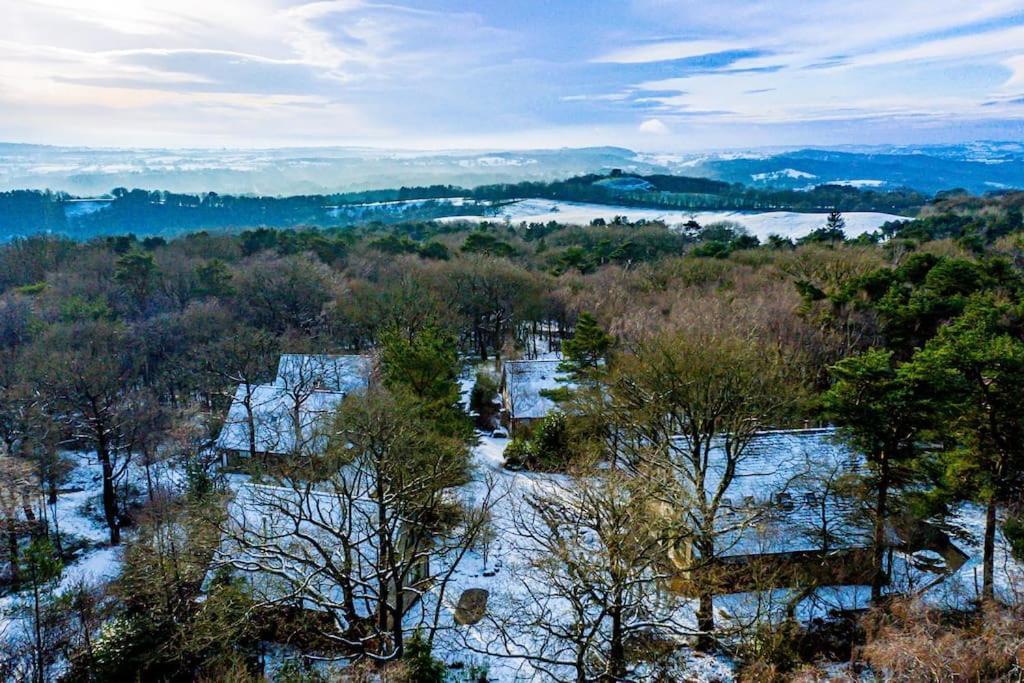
587 350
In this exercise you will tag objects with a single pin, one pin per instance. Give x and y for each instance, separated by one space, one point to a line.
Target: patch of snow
760 224
857 183
784 173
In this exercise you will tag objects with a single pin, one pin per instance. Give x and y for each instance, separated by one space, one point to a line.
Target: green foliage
32 289
434 250
426 365
40 564
423 666
771 647
519 453
826 235
481 398
879 406
547 449
76 309
213 278
199 482
712 249
1013 530
977 364
486 243
587 350
136 270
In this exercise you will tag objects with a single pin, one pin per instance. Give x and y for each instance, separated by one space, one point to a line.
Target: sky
645 74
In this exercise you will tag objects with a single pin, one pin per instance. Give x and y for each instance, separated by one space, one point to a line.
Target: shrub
770 651
481 399
519 453
423 667
910 641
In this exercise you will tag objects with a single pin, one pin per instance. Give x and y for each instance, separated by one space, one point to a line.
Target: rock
472 606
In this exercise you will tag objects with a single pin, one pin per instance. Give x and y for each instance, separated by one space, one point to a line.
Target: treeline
675 192
24 212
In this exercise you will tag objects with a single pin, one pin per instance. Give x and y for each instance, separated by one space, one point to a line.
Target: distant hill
978 167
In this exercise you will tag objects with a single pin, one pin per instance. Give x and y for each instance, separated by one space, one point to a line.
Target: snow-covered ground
79 517
784 223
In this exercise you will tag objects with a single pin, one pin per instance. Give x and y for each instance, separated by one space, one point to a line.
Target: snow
784 173
858 183
760 224
79 515
344 374
525 381
275 411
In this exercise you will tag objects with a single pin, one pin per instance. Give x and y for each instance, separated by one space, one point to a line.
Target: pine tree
979 364
835 221
881 411
587 350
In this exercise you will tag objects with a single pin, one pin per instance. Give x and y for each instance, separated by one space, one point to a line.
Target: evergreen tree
426 366
881 411
587 350
40 570
835 221
980 364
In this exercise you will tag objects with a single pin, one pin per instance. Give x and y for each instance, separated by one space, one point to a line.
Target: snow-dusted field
784 223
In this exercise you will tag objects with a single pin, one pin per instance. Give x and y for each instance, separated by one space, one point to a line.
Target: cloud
384 70
667 51
654 127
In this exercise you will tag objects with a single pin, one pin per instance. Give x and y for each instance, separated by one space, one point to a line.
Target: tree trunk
109 495
251 419
878 538
12 545
706 622
988 560
37 629
149 479
617 649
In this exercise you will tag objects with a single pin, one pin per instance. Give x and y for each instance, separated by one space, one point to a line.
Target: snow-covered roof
343 374
780 476
525 380
285 421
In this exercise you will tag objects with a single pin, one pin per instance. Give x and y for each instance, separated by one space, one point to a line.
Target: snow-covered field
784 223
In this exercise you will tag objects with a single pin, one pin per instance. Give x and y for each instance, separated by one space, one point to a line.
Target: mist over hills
978 167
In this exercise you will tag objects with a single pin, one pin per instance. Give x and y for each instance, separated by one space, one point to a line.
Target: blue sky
648 74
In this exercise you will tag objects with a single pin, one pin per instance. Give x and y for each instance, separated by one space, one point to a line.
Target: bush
912 642
481 399
519 453
551 442
547 449
770 651
423 667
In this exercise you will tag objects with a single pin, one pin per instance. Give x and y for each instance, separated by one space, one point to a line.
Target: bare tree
370 535
87 371
689 405
589 587
243 361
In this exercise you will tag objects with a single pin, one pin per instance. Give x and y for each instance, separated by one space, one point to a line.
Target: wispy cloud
668 51
651 72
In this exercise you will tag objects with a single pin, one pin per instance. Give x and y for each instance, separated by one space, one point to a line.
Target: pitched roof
780 475
279 427
344 374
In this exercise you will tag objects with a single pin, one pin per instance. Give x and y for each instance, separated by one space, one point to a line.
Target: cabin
291 417
786 520
525 387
